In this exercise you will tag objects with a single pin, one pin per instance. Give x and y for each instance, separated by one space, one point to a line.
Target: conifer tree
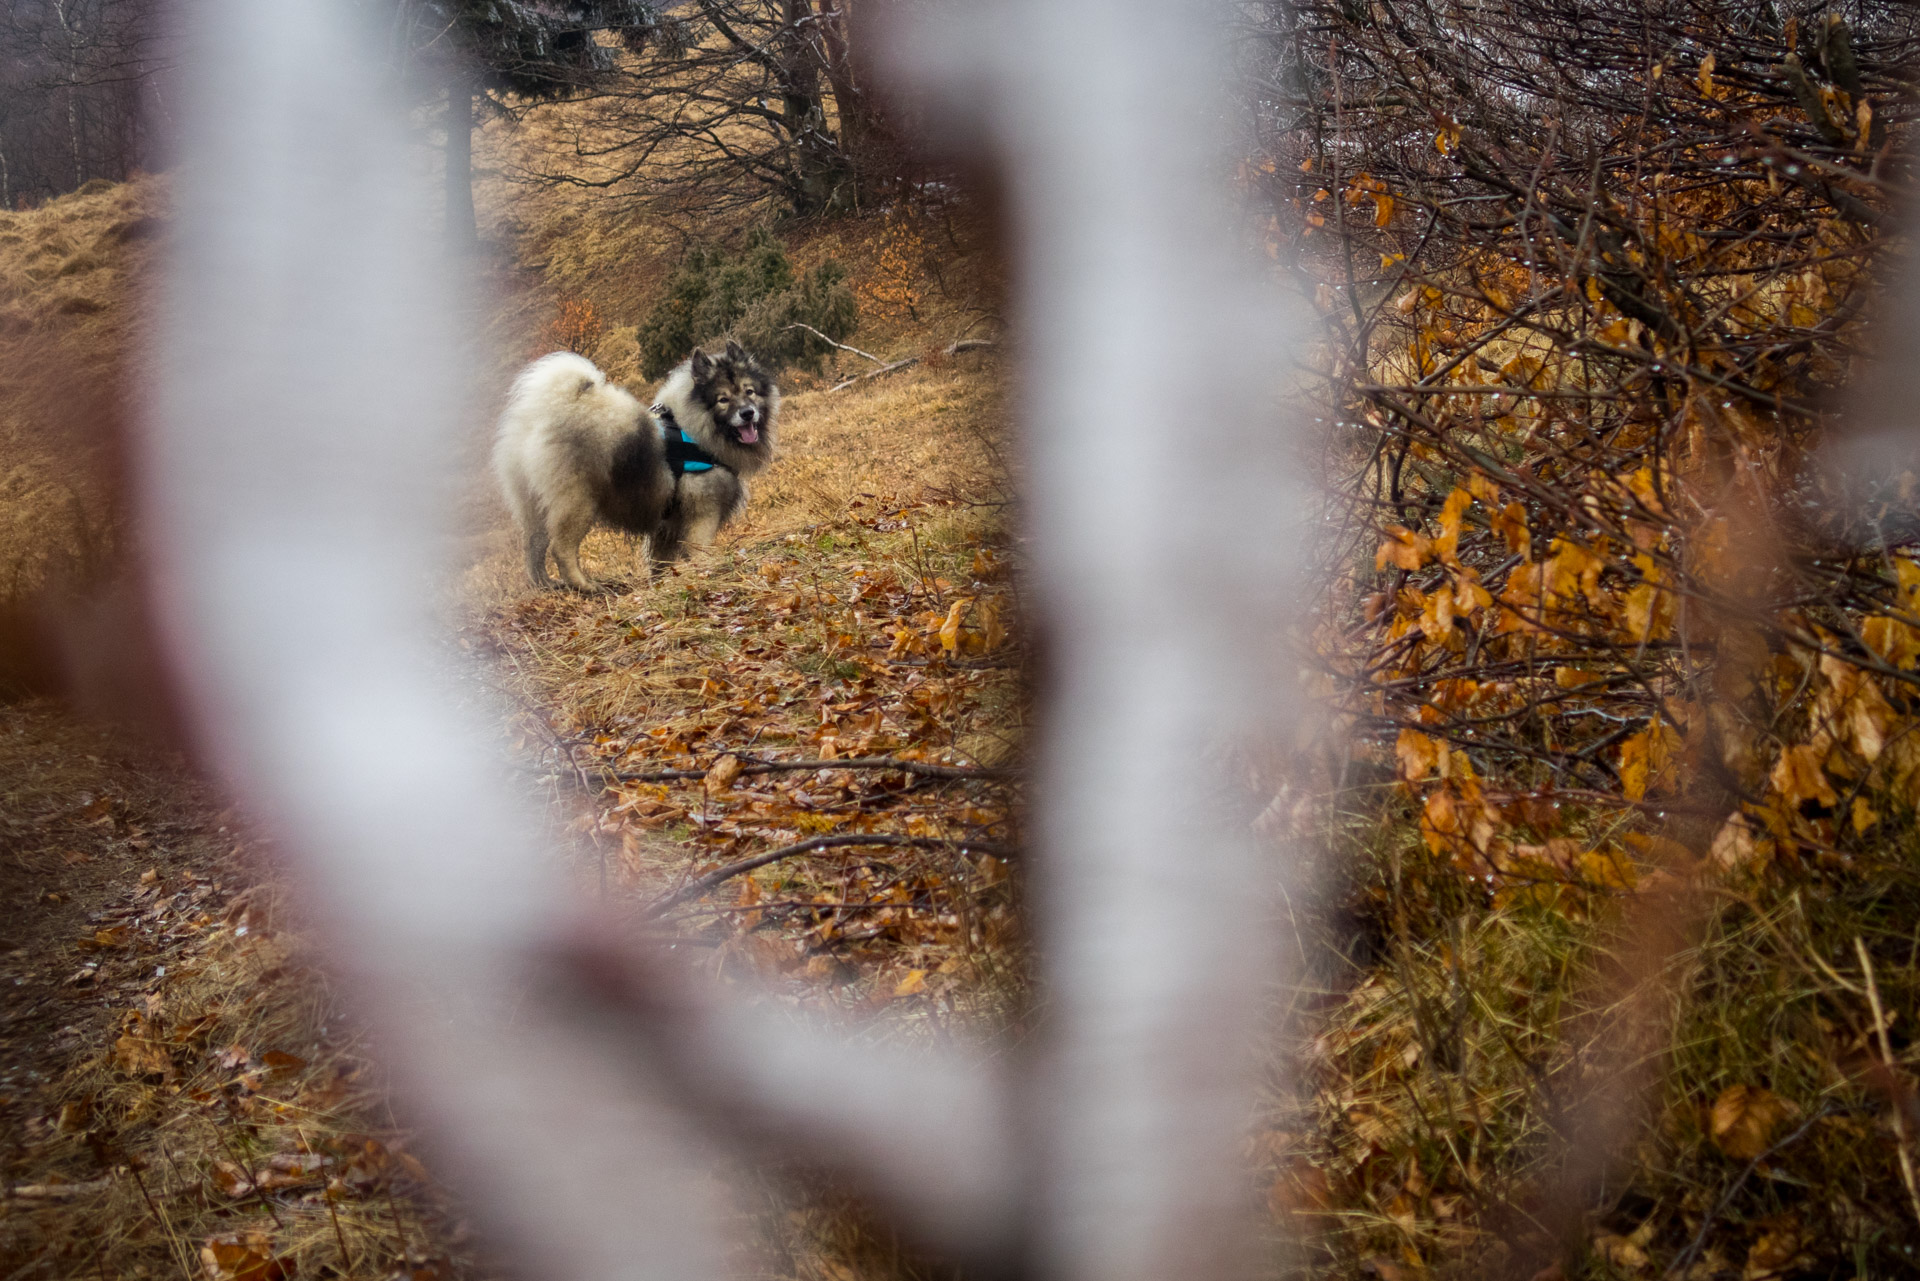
532 49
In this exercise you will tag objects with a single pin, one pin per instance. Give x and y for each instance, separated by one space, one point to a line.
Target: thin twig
339 1237
246 1168
926 769
399 1228
695 888
326 1192
55 1191
831 343
181 1255
891 368
1886 1053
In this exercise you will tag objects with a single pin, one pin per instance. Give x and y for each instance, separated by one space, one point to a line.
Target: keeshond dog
716 416
574 451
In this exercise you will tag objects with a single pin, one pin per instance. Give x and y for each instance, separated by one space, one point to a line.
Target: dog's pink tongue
749 434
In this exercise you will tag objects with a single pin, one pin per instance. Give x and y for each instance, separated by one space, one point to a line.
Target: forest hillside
1615 785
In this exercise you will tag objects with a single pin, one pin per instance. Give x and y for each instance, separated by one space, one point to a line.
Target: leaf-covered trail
177 1095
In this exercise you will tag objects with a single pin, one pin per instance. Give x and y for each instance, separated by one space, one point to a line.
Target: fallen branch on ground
700 885
951 349
926 769
831 343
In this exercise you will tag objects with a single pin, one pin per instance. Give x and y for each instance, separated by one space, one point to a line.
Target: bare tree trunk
462 233
819 173
72 70
73 134
851 104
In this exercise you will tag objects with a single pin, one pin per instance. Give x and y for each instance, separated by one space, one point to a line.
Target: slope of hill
66 320
183 1094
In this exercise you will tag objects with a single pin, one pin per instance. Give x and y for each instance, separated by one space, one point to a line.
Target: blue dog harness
683 452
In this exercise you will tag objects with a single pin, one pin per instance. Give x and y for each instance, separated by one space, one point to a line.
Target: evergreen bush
752 296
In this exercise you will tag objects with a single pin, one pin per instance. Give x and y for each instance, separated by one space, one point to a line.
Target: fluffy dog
574 451
716 415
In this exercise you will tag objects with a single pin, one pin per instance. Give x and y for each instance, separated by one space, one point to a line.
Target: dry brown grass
784 642
66 271
882 513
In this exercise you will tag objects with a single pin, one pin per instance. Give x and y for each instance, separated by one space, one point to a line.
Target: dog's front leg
700 531
707 505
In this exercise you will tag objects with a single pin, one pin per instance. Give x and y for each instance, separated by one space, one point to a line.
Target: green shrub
820 299
752 296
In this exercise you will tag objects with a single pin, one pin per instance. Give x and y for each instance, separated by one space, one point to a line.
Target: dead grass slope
68 308
863 606
211 1112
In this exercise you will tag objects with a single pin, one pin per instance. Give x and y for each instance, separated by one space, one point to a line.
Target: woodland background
1618 775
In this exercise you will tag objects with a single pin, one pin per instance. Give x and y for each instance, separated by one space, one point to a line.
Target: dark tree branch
700 885
925 769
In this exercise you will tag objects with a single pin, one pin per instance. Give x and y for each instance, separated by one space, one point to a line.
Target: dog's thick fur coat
574 451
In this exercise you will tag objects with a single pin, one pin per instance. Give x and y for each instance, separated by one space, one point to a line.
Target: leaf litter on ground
856 682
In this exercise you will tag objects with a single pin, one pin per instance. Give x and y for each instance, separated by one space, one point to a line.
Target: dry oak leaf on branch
1799 776
1647 760
1452 513
1403 548
1417 754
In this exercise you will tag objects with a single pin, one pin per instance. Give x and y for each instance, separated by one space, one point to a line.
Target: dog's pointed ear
736 353
702 365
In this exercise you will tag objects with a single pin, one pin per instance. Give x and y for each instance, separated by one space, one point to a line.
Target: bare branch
894 367
700 885
831 343
925 769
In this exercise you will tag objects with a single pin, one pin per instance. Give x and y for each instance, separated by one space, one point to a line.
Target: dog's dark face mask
736 392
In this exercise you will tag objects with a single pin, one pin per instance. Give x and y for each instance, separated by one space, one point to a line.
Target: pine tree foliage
754 296
541 48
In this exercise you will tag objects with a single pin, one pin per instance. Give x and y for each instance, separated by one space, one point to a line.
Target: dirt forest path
177 1095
